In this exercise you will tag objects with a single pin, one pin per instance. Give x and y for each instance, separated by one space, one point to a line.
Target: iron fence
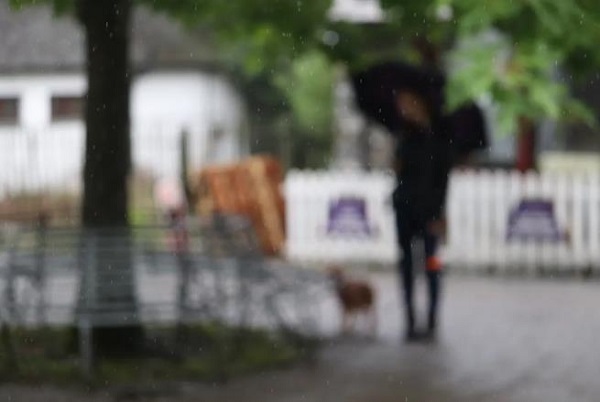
90 278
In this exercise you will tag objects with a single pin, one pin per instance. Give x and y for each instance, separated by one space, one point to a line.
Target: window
67 108
9 110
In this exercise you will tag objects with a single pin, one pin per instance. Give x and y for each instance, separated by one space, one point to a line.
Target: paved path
502 340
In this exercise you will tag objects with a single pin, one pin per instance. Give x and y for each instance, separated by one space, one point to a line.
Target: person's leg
405 237
433 269
408 283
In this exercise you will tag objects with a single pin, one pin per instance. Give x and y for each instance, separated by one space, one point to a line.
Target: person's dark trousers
410 230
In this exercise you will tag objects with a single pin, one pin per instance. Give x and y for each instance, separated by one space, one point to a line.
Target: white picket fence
478 209
479 206
51 159
310 197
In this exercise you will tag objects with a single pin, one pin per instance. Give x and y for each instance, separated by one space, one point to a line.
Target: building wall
206 106
163 105
34 93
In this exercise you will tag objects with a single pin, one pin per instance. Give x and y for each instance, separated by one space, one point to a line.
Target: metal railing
92 278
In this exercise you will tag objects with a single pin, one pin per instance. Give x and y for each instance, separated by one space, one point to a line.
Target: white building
177 86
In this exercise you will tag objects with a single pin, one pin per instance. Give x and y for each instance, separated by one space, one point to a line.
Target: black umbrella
377 87
467 129
376 90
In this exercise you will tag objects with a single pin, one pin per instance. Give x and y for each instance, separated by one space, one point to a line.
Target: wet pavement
500 340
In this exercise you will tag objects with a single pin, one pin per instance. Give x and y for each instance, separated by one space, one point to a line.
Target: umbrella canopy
376 90
378 87
467 129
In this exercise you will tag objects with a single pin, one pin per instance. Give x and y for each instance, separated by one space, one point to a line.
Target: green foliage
309 87
567 26
521 79
536 39
60 6
262 34
276 40
360 46
518 69
262 40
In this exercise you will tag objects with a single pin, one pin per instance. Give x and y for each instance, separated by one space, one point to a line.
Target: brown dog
355 297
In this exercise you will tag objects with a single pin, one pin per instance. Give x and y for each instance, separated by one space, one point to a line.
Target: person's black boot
433 278
410 334
431 325
434 291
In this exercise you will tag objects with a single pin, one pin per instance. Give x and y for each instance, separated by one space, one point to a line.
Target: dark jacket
424 162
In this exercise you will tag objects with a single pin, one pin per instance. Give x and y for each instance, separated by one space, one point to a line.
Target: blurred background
217 151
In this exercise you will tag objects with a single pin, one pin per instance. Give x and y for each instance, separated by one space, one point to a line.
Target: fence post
10 284
181 250
86 346
40 267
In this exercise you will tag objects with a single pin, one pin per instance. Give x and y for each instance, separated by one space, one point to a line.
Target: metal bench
112 277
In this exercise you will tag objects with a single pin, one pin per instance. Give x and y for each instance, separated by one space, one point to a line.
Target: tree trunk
107 164
107 154
526 145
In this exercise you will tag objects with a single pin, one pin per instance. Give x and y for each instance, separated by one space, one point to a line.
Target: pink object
168 195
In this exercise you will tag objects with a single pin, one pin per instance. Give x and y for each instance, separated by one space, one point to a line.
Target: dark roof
35 39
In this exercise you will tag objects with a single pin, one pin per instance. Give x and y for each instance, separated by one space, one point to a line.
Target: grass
210 353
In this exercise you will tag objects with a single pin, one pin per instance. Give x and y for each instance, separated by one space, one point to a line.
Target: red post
525 158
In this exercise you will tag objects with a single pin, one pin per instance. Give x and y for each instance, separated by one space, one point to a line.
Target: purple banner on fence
348 217
534 220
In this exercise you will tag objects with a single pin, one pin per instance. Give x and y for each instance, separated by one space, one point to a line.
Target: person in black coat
423 160
409 102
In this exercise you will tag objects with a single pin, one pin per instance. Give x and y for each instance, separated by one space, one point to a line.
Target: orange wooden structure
251 188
